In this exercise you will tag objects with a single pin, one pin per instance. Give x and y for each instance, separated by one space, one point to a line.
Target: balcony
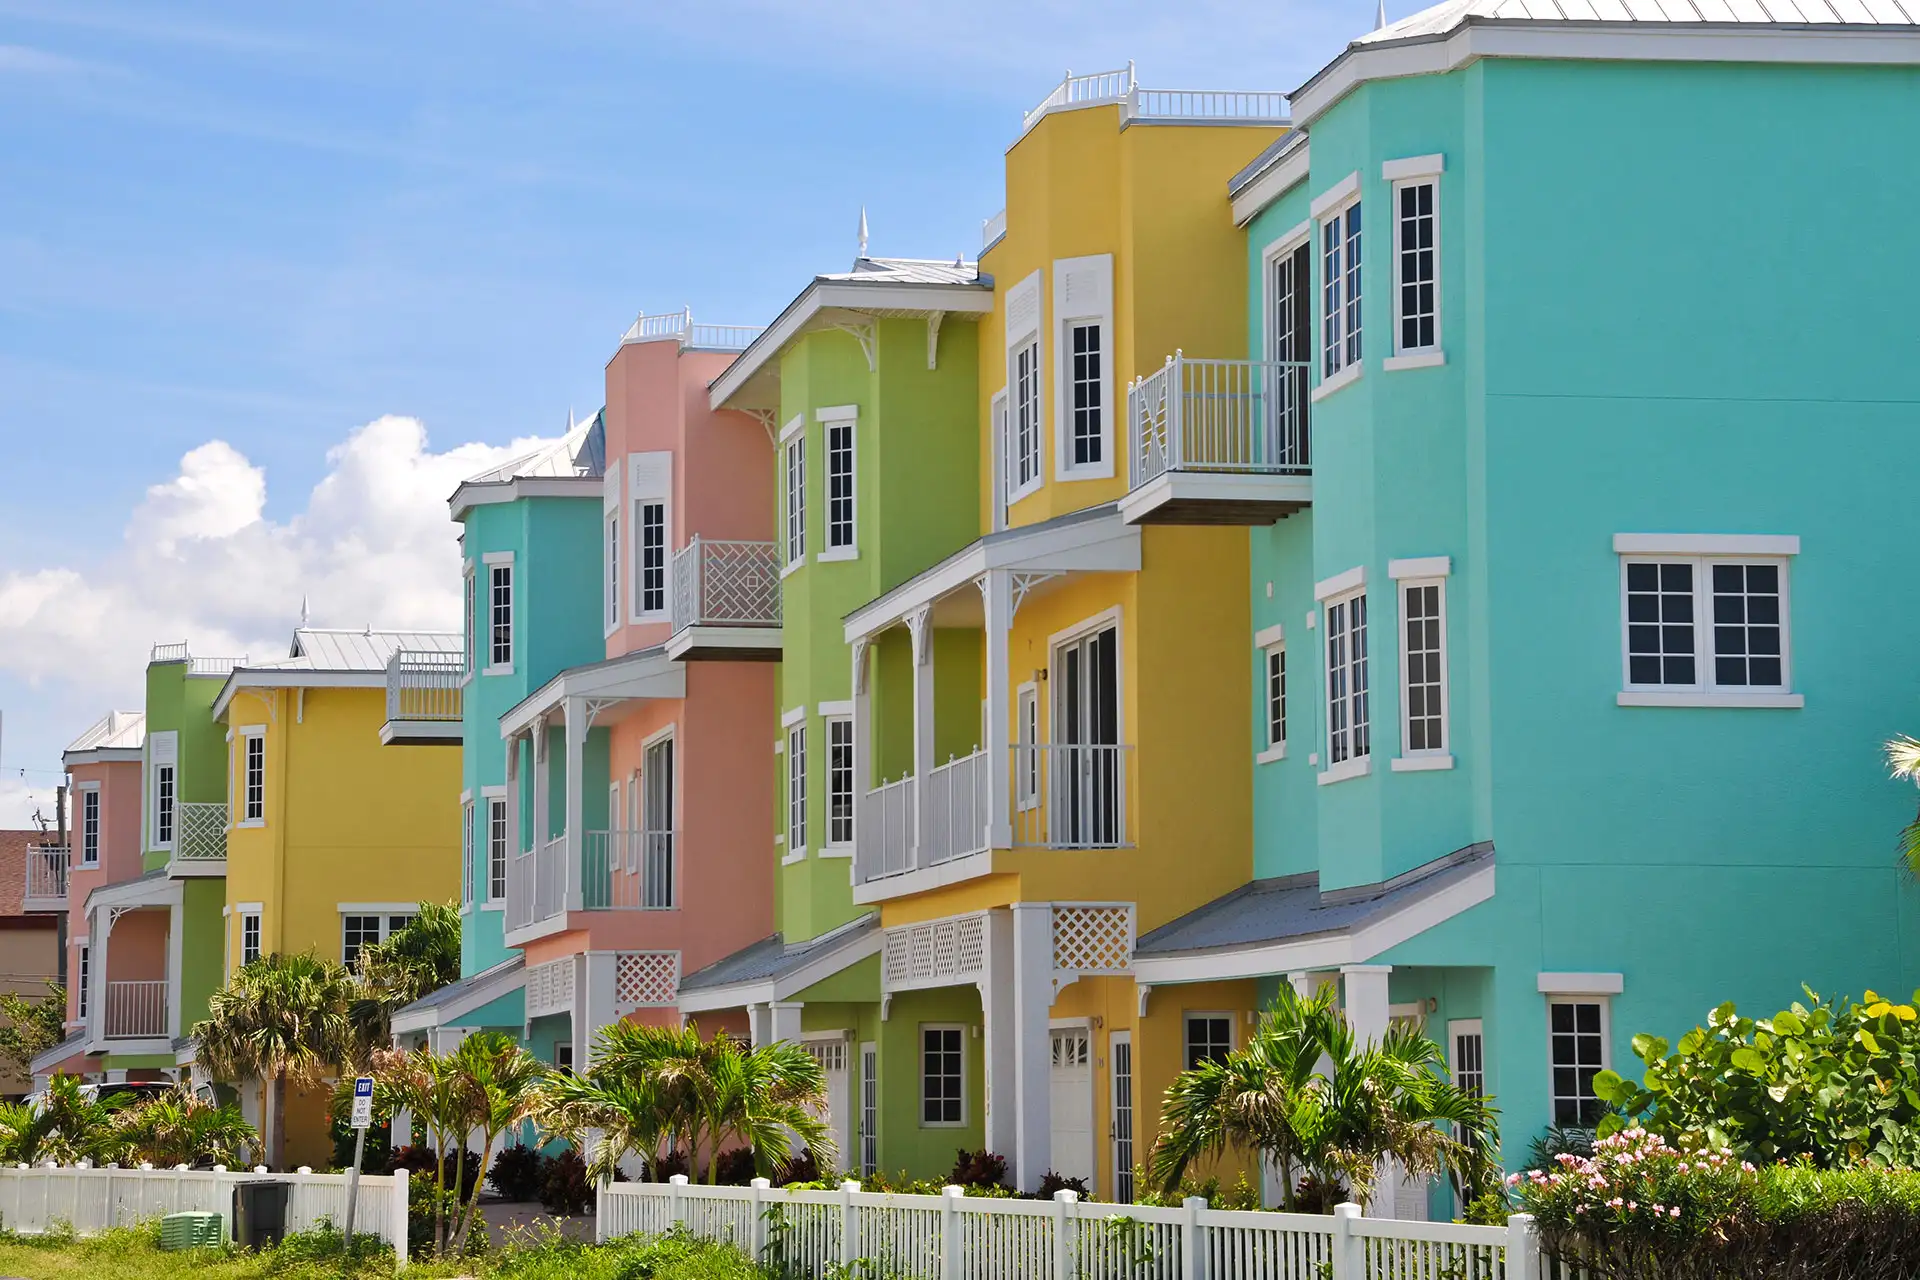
726 601
135 1010
46 888
679 325
423 697
200 844
1222 442
614 871
1065 796
1169 106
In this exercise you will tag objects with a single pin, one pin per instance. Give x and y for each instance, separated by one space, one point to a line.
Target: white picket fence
34 1199
956 1237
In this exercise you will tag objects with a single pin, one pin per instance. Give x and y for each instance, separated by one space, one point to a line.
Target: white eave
646 673
481 493
293 678
1285 170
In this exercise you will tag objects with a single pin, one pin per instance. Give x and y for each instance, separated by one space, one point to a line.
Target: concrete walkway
508 1217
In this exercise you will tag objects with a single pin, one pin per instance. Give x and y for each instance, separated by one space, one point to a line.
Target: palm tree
498 1080
67 1124
179 1128
412 962
281 1019
1903 759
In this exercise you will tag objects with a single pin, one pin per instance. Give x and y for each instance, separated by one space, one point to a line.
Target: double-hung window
249 937
499 606
253 776
943 1076
163 755
469 631
839 425
496 848
1340 293
1085 413
1424 718
1083 374
840 780
650 488
1349 717
1577 1041
1705 620
1209 1038
794 456
797 790
1026 417
467 851
1272 645
1416 259
357 930
1025 378
90 825
1026 733
86 979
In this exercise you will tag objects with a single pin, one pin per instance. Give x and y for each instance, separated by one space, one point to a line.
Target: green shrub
678 1256
518 1173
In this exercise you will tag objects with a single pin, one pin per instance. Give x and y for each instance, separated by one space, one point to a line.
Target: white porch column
862 756
920 625
996 1017
760 1024
592 1001
576 797
97 938
1365 991
996 590
542 823
513 818
1032 1043
785 1018
175 951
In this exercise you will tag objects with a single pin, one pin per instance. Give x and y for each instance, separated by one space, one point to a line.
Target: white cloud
201 561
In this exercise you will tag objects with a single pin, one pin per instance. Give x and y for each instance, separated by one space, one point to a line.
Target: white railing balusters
1071 795
47 869
1158 104
628 871
722 583
680 324
1242 417
425 684
136 1010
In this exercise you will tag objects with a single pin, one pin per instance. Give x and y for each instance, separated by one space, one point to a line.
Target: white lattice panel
646 979
1093 937
934 953
550 987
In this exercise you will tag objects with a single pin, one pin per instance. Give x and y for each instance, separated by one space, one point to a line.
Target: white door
832 1057
1120 1050
1072 1097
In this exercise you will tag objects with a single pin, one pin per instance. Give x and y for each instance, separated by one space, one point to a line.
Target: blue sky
232 236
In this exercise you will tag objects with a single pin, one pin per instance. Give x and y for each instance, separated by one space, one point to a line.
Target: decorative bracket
886 1004
1144 989
766 417
920 625
865 331
300 705
596 705
933 338
860 666
1026 582
114 914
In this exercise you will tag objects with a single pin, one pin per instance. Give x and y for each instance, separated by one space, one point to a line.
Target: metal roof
907 271
1288 907
115 730
772 958
324 649
455 991
1443 18
581 452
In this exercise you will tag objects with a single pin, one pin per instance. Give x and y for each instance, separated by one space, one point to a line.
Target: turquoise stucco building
530 545
1573 670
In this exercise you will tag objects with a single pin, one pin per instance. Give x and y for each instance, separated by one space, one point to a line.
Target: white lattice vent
550 987
1093 937
646 979
934 953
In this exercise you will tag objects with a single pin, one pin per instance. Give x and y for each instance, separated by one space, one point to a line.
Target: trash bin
260 1212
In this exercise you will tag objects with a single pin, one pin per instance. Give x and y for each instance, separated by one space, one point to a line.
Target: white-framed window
1416 266
1577 1038
468 630
611 611
657 883
1083 401
650 491
85 971
1026 733
1086 412
1349 715
869 1109
796 475
496 848
839 425
1025 419
1340 294
650 522
1425 722
839 780
467 850
499 567
797 790
1467 1056
163 787
90 823
357 929
1209 1038
1272 644
253 775
943 1076
1706 629
249 937
1289 342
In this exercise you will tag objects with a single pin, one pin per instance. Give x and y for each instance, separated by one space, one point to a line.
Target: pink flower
1674 1212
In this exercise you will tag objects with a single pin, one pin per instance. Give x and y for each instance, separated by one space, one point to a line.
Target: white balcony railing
955 817
883 831
136 1010
47 874
1158 104
537 884
424 684
628 871
726 584
176 651
993 228
1070 795
202 833
679 324
1236 417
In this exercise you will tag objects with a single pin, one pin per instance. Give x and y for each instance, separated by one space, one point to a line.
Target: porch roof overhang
772 969
1096 540
293 678
1288 925
645 673
153 889
74 1046
445 1007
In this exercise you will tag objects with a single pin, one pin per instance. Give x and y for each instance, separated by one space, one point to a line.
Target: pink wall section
137 948
120 854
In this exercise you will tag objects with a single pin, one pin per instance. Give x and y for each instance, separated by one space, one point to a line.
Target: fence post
1523 1248
1349 1260
848 1233
1176 409
1065 1210
677 1198
757 1229
600 1212
1193 1263
398 1223
950 1241
298 1201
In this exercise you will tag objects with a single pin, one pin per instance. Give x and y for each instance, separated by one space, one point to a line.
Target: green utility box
192 1231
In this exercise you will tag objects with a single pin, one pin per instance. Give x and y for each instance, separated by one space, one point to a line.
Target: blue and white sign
363 1102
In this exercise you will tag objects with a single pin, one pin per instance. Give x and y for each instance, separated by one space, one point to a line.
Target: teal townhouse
530 539
1580 349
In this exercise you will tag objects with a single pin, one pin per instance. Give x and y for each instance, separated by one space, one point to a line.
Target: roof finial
863 231
303 610
1379 14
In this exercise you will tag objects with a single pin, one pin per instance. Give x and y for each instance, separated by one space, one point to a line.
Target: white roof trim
831 960
652 676
481 994
1335 196
1582 984
1267 637
1707 544
483 493
1420 567
1288 170
1413 167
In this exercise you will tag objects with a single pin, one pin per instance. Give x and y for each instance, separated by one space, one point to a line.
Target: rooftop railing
1158 104
993 228
424 684
1243 417
176 651
720 583
679 324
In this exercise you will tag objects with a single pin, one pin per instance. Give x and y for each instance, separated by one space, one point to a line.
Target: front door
832 1057
1120 1051
1086 766
1071 1084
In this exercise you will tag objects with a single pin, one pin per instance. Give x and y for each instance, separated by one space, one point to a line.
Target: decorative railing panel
1158 104
1071 795
202 831
1236 417
719 583
955 818
680 324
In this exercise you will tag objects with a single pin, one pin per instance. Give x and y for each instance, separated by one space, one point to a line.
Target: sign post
362 1119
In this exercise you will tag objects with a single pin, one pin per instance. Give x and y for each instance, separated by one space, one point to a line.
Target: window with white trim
797 790
612 602
1469 1056
1349 726
796 462
1086 415
1340 289
839 780
500 615
1025 411
943 1075
1577 1039
650 522
468 632
1705 623
163 788
163 806
249 937
1416 265
90 822
496 849
467 851
840 446
85 970
1026 734
1423 670
1275 688
869 1110
1289 335
1209 1038
253 788
357 930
